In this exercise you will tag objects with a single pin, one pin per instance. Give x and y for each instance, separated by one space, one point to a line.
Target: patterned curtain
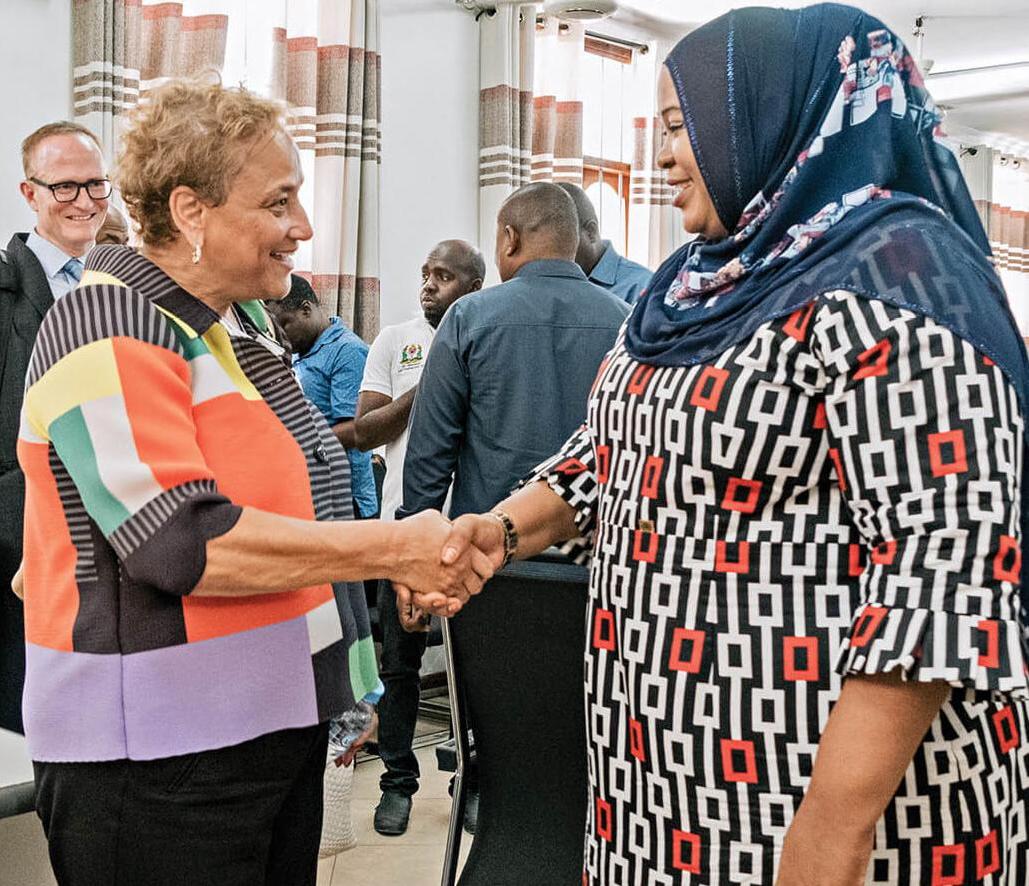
327 69
655 226
556 103
505 114
999 184
106 37
319 56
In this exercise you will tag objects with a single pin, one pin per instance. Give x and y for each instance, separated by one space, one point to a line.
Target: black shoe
392 814
471 812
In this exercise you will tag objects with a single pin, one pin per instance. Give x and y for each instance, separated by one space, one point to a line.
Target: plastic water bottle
345 730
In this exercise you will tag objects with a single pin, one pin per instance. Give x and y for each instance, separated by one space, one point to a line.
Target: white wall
35 65
430 140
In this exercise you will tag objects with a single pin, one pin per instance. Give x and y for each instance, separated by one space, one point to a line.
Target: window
607 134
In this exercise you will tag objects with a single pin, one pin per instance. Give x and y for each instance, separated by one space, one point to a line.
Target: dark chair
518 656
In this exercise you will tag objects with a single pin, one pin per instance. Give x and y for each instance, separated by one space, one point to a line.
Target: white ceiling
956 38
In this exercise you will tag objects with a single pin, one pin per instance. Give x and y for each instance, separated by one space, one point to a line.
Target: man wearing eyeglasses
66 185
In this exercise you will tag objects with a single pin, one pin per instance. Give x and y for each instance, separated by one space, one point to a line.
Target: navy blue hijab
816 138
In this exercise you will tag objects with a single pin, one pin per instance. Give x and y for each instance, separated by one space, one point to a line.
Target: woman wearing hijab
800 480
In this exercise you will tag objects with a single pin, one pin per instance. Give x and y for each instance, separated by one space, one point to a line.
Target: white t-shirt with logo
394 366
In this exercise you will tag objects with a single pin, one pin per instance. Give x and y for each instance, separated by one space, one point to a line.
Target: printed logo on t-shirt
410 356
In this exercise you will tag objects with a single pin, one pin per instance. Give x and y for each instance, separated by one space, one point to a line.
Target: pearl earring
196 253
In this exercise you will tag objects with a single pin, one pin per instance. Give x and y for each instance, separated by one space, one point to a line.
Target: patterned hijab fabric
817 141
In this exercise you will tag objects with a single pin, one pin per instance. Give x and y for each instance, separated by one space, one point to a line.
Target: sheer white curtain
999 184
556 103
319 56
655 226
505 114
1009 230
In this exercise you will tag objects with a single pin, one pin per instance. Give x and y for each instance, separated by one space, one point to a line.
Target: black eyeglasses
68 192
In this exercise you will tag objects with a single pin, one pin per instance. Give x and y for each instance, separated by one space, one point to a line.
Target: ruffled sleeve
925 441
571 474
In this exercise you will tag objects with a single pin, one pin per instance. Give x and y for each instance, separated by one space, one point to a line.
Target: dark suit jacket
24 298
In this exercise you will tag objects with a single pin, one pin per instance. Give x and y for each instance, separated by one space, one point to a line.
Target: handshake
440 564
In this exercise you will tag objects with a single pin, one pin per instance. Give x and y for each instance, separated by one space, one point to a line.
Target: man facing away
329 362
597 257
66 186
395 362
511 366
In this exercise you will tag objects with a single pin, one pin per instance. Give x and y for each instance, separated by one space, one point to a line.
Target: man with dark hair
66 186
396 359
597 257
511 366
329 361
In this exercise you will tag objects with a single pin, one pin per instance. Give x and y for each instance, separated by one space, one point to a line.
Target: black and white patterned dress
835 495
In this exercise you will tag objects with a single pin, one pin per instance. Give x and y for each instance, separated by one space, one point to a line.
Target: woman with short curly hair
193 612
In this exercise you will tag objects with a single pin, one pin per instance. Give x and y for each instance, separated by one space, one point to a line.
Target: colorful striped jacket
145 429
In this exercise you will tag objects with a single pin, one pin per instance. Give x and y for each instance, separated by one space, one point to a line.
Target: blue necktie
73 268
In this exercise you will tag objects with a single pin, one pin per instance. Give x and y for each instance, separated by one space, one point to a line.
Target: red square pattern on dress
571 467
947 453
948 865
604 823
686 852
644 546
708 391
603 463
867 625
856 564
683 639
883 554
750 490
604 630
797 323
652 469
732 751
636 740
640 379
741 562
790 647
873 362
987 856
990 657
1009 550
837 463
1006 727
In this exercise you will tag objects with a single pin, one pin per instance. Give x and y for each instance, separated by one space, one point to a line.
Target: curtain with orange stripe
506 56
318 56
998 181
556 102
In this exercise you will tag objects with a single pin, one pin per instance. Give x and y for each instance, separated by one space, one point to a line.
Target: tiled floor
416 858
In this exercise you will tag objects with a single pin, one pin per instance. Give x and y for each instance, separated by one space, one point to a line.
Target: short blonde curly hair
188 132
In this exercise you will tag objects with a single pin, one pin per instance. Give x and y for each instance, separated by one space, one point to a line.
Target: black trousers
398 709
245 815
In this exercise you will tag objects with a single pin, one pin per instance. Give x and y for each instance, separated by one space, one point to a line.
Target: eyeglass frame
78 188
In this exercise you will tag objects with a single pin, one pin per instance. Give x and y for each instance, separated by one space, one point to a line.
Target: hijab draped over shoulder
820 148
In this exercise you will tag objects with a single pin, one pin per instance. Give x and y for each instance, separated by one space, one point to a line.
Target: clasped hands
441 565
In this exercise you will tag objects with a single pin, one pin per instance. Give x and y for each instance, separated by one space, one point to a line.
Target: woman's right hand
442 583
476 536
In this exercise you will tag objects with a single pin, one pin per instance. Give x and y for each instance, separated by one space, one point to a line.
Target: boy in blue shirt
329 361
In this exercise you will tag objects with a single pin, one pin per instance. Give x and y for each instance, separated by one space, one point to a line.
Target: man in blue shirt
329 361
510 368
597 257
